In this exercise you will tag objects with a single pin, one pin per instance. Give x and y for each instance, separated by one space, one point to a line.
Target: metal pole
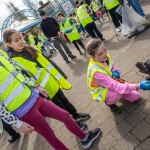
117 35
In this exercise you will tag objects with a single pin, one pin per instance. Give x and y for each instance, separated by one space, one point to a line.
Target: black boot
81 53
67 61
81 125
14 138
73 57
114 108
81 117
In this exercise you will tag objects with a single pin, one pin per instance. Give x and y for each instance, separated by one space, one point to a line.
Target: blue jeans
137 7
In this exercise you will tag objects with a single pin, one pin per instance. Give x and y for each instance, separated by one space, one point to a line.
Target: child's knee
113 98
132 97
136 96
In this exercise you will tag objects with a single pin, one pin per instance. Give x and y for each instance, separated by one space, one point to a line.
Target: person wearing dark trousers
51 29
87 22
13 134
93 31
69 28
58 42
111 7
66 105
116 18
77 47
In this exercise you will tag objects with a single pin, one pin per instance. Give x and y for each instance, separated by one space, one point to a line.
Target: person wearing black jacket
51 29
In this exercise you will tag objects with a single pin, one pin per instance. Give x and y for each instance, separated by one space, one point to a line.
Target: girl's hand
26 128
42 91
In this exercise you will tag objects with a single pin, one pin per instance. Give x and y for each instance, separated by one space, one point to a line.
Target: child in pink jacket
100 78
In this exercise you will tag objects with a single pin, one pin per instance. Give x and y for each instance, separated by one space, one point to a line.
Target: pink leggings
113 97
46 108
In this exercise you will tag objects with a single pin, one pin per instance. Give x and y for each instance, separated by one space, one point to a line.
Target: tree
31 5
14 10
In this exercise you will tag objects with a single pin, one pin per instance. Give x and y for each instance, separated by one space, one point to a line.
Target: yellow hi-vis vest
3 53
32 43
72 36
110 3
98 93
42 37
95 6
47 77
83 16
13 92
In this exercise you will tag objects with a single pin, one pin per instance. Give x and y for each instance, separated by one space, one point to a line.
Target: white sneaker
118 29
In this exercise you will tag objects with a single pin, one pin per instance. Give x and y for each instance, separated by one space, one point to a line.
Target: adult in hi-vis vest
103 78
45 74
20 96
111 6
69 28
87 22
7 127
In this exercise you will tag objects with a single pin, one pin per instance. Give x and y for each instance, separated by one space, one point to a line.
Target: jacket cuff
18 124
132 86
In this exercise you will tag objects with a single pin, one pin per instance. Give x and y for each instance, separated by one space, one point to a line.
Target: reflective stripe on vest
53 71
58 76
95 6
6 84
47 74
49 67
13 92
83 16
73 35
110 3
45 80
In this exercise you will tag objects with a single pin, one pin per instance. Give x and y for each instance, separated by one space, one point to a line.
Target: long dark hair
7 36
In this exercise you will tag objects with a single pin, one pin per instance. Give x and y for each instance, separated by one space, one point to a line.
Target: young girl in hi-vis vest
102 75
35 108
69 28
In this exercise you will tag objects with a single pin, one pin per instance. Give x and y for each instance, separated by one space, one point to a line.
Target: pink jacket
104 80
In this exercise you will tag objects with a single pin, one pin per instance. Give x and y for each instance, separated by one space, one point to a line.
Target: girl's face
17 42
60 18
101 54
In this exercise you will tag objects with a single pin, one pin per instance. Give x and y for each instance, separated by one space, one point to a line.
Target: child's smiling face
16 42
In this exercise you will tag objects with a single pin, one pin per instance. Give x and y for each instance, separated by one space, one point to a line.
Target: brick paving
128 131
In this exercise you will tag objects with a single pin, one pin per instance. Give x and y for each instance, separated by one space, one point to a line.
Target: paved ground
127 131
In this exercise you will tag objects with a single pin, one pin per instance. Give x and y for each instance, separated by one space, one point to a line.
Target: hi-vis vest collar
16 70
105 69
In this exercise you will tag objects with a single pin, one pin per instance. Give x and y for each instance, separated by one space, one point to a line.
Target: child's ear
8 44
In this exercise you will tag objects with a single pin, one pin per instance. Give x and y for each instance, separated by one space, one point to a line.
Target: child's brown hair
7 37
92 46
